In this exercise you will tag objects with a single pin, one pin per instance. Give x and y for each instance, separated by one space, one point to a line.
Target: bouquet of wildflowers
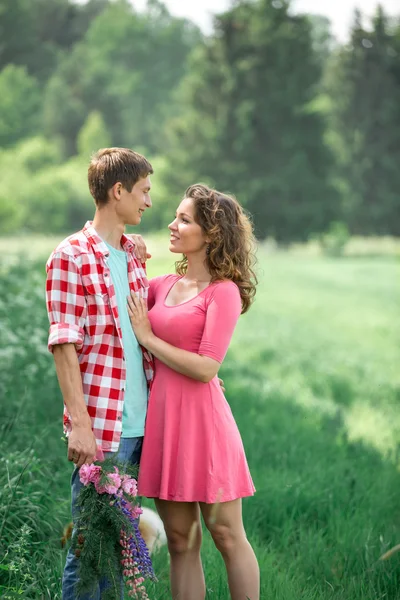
106 537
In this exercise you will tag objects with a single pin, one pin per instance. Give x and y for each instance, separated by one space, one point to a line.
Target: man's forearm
70 380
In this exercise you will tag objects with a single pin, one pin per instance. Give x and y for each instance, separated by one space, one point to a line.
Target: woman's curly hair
231 250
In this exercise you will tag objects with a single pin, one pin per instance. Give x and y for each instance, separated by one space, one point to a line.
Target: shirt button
119 418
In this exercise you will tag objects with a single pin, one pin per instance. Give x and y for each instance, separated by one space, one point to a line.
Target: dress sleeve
223 312
65 300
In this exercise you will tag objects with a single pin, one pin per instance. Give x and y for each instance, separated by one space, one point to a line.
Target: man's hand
140 247
221 383
81 445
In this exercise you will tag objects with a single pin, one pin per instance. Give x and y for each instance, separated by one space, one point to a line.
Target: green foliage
36 189
127 68
17 563
363 81
11 215
60 198
304 131
93 135
19 105
315 397
37 153
333 241
34 33
99 554
247 124
34 494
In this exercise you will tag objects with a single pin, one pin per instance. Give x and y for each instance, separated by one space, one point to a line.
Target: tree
364 83
248 124
33 32
93 135
127 68
322 39
19 105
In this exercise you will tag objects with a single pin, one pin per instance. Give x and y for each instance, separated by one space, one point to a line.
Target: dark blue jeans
129 451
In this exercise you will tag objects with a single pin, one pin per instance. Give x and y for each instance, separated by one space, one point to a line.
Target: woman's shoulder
224 287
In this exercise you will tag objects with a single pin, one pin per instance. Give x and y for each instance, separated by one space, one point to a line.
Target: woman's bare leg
224 522
183 528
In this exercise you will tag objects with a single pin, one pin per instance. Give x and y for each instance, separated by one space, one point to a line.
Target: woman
193 459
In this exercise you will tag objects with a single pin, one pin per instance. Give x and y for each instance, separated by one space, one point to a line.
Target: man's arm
81 440
66 307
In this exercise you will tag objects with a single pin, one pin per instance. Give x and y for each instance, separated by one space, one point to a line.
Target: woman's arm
223 311
201 368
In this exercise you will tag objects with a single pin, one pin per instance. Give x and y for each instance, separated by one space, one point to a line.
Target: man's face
132 205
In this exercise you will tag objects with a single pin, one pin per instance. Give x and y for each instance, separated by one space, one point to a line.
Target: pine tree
248 124
365 90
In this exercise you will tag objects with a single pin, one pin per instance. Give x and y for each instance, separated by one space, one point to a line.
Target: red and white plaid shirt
82 309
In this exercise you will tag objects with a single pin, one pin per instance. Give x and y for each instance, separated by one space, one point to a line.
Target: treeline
306 133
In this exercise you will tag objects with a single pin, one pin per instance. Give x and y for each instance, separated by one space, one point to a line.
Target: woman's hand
140 246
137 311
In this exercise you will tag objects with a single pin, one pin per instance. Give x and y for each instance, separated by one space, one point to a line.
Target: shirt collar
99 247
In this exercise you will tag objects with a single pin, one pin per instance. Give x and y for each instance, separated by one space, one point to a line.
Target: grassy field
313 379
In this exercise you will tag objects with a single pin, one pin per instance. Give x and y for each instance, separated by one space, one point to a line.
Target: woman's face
187 237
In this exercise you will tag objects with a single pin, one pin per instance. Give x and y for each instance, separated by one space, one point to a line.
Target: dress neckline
186 301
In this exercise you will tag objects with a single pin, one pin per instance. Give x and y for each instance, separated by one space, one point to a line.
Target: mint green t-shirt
136 393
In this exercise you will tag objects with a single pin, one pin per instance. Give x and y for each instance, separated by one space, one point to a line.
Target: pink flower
129 485
89 474
115 481
111 486
136 511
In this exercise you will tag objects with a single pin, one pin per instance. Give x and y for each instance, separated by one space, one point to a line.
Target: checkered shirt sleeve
65 301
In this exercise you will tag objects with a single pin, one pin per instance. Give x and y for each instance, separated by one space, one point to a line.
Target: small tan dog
152 529
150 525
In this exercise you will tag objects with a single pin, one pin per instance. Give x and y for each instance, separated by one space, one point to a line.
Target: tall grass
312 377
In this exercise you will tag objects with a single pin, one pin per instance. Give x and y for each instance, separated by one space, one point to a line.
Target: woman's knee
225 538
180 542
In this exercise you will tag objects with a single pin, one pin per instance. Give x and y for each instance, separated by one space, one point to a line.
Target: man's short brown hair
112 165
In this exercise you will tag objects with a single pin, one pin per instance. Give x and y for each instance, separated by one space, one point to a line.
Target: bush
334 241
19 104
58 198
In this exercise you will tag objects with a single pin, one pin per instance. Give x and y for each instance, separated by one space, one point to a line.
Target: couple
107 326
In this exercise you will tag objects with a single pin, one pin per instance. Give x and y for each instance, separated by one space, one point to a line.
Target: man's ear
115 191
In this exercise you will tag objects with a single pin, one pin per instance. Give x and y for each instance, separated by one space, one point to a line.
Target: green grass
313 379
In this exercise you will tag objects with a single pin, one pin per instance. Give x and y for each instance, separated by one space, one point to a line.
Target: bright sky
340 12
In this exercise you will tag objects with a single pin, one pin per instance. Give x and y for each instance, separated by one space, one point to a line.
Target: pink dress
192 450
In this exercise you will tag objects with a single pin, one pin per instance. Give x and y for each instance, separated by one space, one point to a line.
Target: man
102 371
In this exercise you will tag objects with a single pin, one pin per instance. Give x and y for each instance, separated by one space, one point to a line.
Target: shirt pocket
98 305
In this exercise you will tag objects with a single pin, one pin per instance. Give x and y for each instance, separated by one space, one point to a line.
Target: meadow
313 380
